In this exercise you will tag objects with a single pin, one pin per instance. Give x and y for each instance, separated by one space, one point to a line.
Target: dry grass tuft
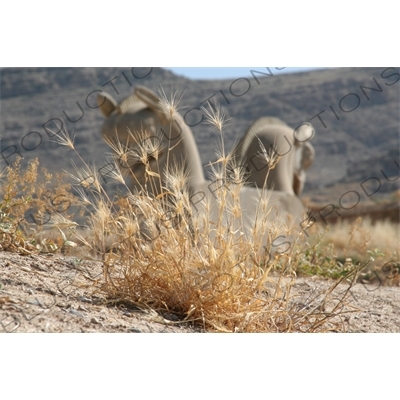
34 218
222 287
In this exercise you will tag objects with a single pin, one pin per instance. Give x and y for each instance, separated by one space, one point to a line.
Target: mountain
355 112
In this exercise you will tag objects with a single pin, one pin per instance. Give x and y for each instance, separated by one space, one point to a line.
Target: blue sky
227 73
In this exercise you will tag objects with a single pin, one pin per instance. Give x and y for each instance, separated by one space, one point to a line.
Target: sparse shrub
339 248
30 210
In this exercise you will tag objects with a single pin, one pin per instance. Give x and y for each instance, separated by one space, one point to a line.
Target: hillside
355 112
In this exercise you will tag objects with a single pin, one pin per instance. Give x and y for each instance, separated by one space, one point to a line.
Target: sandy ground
49 294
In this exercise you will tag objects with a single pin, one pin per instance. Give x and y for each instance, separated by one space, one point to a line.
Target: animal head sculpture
271 137
142 121
151 138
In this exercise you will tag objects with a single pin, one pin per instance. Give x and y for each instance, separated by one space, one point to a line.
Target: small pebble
34 302
85 299
171 317
76 313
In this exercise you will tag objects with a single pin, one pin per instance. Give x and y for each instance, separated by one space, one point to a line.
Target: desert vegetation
158 253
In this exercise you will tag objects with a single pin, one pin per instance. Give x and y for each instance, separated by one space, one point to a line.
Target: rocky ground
50 294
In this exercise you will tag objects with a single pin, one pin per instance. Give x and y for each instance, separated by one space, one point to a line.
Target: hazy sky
227 73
